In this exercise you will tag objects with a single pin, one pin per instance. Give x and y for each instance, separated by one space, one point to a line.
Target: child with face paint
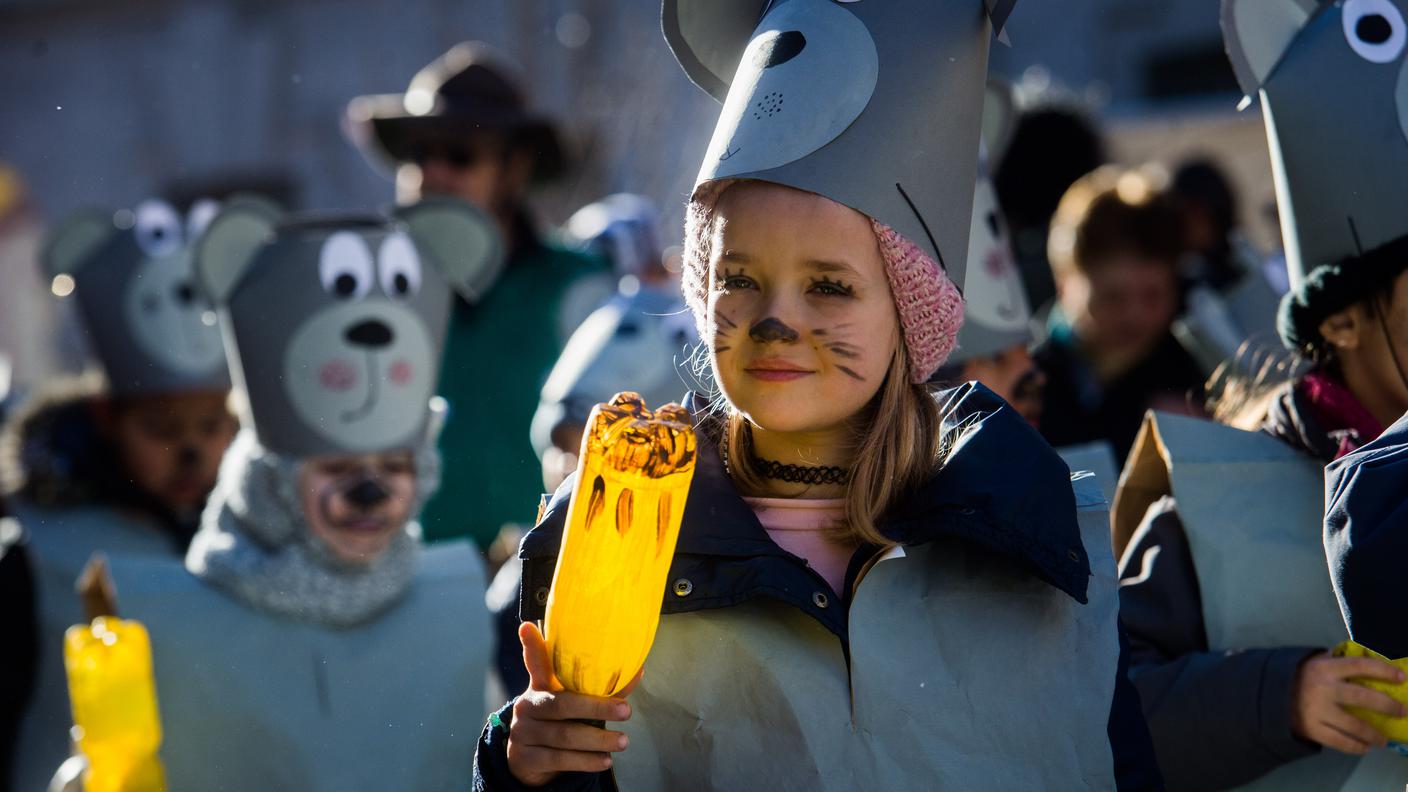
309 640
1226 594
865 570
121 463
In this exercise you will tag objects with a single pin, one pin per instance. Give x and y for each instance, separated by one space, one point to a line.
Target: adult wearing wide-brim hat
465 128
469 90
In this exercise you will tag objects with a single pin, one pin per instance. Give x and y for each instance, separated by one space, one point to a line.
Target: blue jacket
1366 538
999 481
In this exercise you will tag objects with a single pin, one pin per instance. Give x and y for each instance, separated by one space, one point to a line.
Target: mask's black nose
779 49
187 457
370 333
366 495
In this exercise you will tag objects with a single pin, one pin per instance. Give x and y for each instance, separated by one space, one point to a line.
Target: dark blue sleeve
1218 719
1366 539
1135 765
491 773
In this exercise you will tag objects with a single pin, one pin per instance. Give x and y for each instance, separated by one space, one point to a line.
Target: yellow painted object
622 523
113 693
1396 729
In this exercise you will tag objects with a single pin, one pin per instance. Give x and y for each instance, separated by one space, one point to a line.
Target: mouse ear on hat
463 242
227 248
1258 33
708 38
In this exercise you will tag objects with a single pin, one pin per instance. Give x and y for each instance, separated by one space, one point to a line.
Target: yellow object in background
633 478
113 693
1396 729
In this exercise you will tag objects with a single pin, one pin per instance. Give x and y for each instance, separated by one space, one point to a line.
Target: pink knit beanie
930 307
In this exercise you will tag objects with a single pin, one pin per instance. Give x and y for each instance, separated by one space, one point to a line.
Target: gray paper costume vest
1097 457
60 544
978 660
251 703
1251 509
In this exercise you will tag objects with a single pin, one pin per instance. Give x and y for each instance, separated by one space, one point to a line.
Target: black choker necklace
793 474
801 474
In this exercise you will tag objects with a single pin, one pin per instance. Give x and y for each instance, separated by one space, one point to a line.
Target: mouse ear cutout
708 38
229 244
1257 34
998 12
462 241
71 246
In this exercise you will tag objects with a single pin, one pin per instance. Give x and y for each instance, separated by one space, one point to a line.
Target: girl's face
357 504
802 326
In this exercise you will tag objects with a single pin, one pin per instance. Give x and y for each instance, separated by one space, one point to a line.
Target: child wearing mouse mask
874 586
309 624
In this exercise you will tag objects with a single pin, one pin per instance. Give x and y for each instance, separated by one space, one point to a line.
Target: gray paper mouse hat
336 324
1333 85
996 315
874 104
148 324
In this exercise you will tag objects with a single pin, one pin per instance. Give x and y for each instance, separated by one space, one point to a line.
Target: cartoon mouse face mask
338 323
874 104
1333 83
148 322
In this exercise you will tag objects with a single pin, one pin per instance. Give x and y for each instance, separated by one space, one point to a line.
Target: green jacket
497 356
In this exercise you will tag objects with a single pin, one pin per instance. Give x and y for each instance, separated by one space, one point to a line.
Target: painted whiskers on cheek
839 347
722 327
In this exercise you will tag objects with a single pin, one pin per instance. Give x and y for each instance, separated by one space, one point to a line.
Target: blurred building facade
105 103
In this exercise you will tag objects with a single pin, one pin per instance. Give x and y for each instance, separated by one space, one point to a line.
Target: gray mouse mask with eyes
336 325
148 324
996 313
1333 82
875 104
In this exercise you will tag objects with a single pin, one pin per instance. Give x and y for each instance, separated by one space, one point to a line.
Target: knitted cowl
929 305
254 543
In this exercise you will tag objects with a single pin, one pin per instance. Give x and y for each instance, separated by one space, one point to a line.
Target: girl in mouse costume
121 462
310 642
864 572
1226 595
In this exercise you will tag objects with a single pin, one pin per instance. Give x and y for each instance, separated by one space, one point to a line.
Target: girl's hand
547 736
1322 691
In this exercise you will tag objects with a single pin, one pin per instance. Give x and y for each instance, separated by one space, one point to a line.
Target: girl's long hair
897 449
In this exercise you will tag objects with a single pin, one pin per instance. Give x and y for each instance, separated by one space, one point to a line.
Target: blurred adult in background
1225 593
20 626
464 128
121 463
1049 149
1229 304
1115 247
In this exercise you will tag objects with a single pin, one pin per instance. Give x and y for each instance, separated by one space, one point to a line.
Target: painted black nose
366 495
772 330
370 333
780 48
